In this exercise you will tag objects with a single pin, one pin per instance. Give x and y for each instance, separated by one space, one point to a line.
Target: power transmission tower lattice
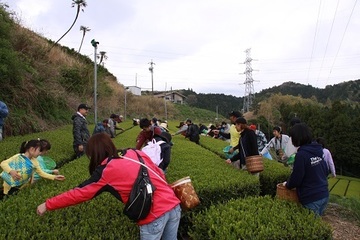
249 82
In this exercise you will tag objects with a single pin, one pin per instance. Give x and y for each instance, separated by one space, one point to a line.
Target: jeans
318 207
164 227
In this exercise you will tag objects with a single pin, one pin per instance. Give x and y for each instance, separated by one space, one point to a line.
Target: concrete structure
172 96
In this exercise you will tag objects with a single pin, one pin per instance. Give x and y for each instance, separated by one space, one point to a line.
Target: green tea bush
274 173
258 218
340 187
214 145
61 144
215 182
100 218
353 189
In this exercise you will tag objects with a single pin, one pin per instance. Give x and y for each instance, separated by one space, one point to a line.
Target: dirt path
343 223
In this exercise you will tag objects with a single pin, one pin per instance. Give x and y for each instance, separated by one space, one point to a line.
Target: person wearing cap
260 137
192 132
118 120
233 135
278 142
247 144
147 133
81 132
164 127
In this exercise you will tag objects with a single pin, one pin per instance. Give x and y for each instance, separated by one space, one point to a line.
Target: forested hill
347 91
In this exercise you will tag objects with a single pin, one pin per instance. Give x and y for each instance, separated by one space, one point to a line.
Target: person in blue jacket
4 111
309 175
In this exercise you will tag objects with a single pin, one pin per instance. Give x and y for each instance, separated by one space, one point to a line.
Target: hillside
43 86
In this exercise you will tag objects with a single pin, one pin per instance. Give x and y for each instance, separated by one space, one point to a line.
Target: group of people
110 171
27 167
311 165
189 130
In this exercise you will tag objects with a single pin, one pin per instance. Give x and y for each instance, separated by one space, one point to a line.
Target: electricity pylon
249 82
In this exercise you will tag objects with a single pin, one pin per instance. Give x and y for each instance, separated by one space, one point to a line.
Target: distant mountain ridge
345 91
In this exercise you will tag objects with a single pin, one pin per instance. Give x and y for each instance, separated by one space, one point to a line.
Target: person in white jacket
278 143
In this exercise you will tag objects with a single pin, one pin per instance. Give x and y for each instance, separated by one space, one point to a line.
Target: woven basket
284 193
254 164
185 191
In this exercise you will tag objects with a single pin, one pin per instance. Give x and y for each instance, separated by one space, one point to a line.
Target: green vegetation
198 115
233 203
351 205
273 219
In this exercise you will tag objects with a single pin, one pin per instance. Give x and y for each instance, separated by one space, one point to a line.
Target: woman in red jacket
117 177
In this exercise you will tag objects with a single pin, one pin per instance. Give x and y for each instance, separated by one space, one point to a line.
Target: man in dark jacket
247 145
192 132
81 132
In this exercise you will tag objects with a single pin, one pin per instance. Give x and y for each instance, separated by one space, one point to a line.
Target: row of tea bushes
60 139
274 172
100 218
215 182
258 218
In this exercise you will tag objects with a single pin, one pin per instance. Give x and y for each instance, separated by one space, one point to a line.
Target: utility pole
94 44
249 82
166 115
151 69
125 102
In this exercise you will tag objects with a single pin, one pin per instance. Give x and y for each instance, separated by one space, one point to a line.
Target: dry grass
342 222
44 74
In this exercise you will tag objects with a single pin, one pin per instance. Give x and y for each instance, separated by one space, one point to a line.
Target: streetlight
126 88
94 44
151 69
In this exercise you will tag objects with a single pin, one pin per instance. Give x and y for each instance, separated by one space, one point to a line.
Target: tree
84 30
79 3
191 99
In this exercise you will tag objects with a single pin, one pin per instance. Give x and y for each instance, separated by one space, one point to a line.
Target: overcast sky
200 44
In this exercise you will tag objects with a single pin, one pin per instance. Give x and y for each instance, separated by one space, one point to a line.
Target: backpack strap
143 165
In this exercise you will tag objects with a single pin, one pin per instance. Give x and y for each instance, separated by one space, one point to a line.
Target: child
18 169
46 146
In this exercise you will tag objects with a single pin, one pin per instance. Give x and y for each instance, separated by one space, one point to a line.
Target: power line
312 51
342 37
327 43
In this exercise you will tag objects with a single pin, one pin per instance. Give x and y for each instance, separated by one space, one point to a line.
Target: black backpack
140 200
